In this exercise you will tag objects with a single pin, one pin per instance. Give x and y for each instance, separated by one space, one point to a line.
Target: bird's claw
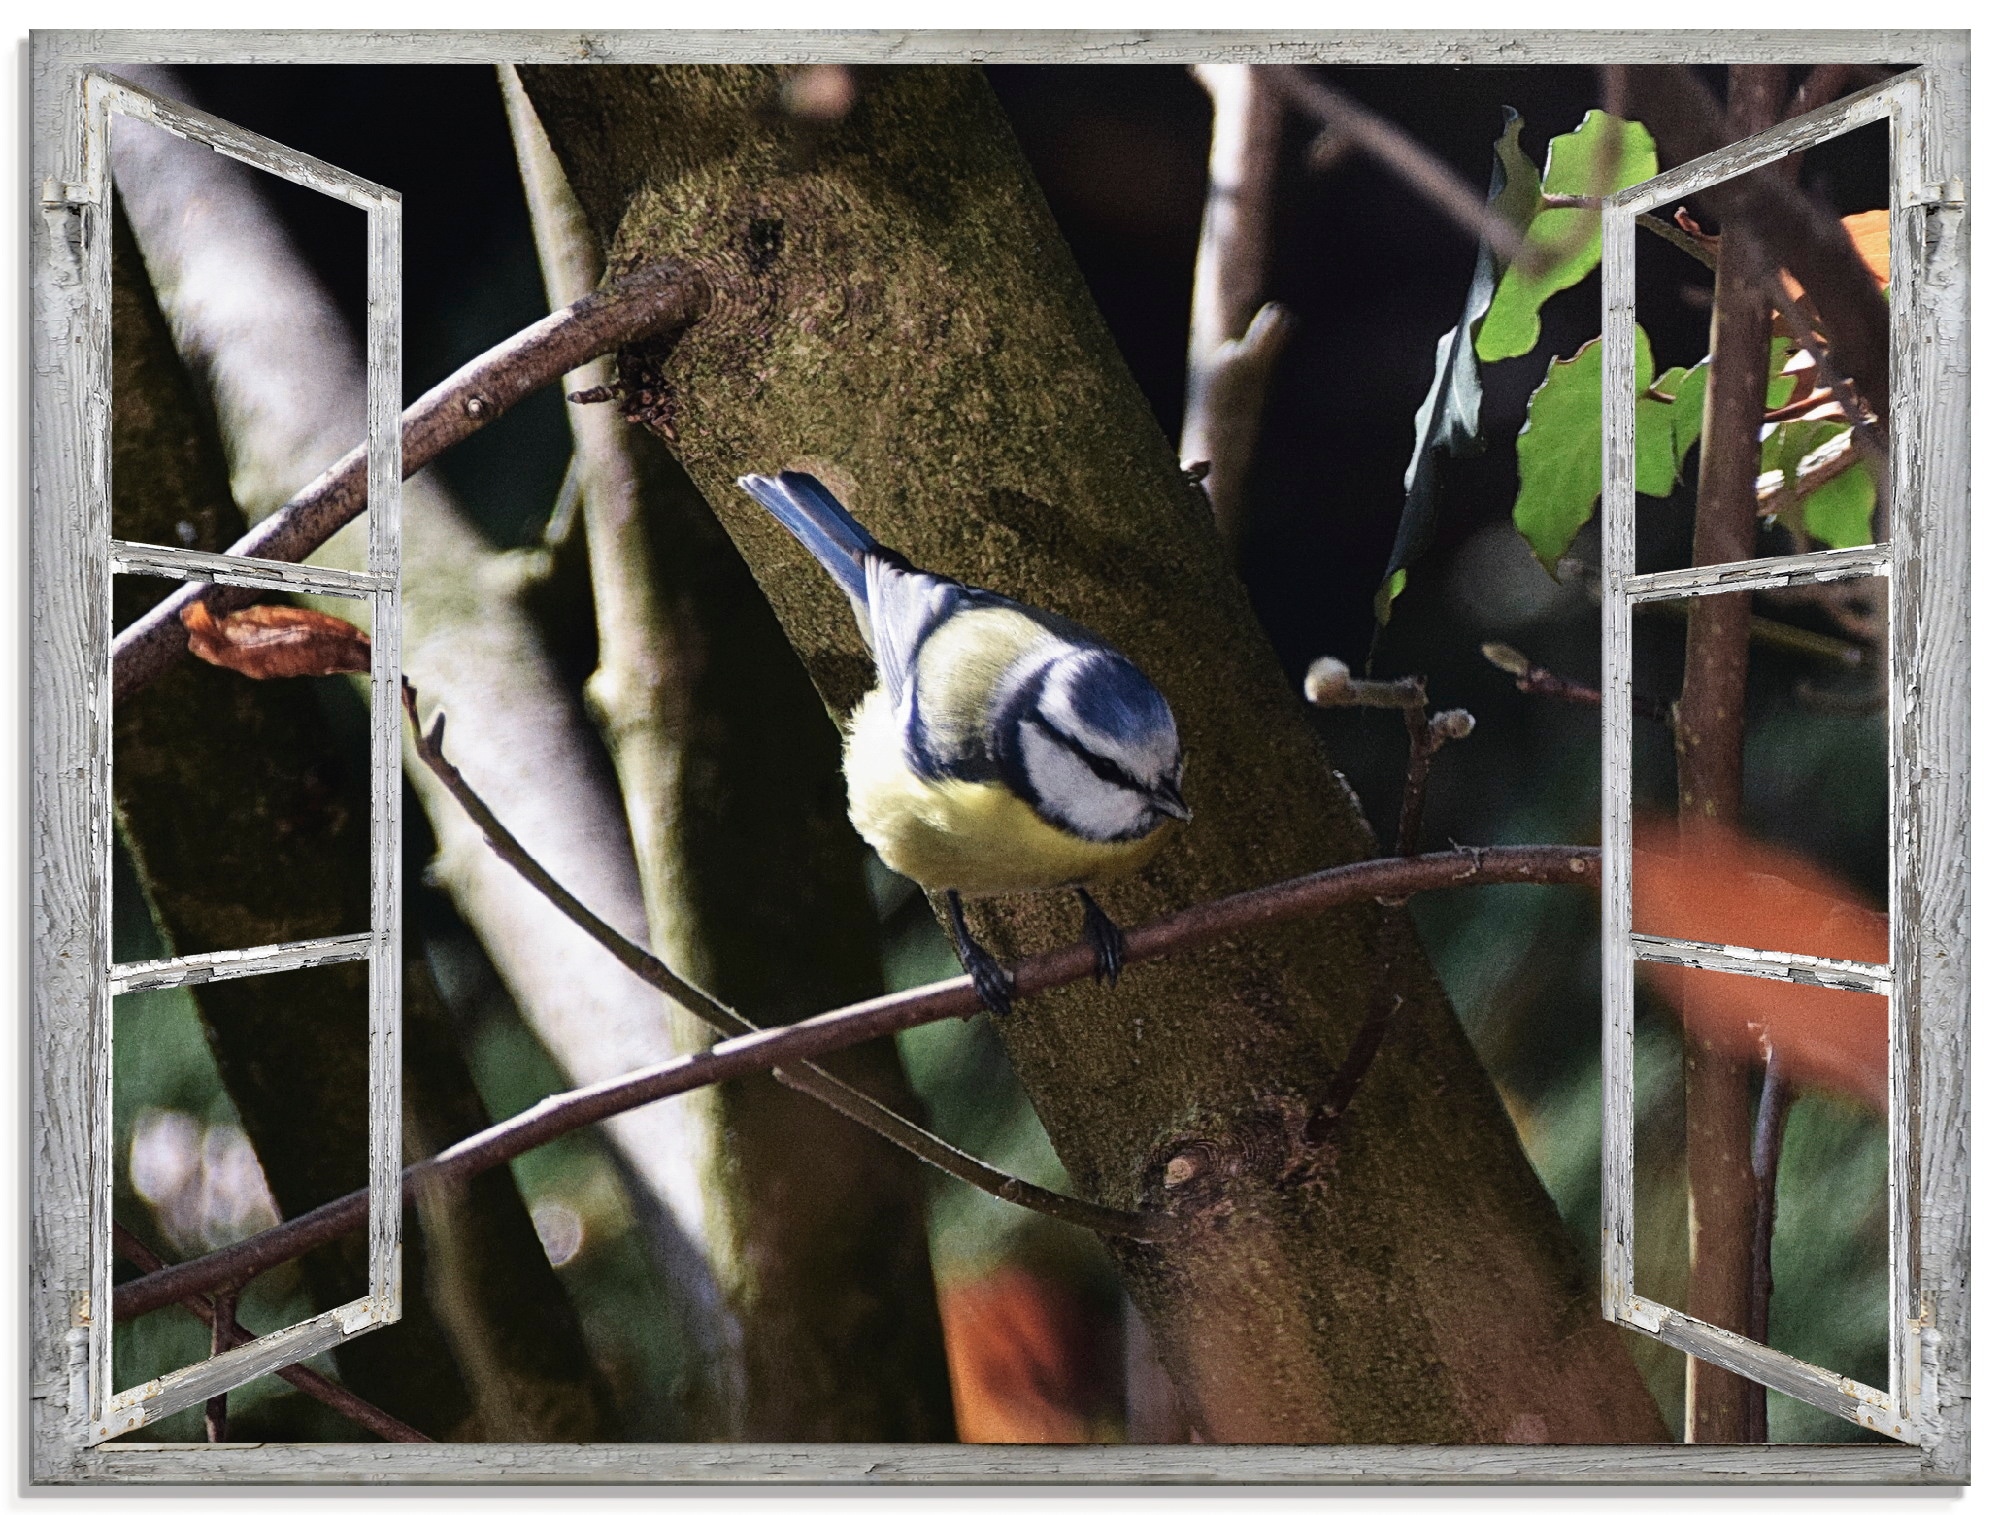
993 983
1105 938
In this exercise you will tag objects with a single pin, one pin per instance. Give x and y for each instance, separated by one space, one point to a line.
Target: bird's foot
1105 938
993 983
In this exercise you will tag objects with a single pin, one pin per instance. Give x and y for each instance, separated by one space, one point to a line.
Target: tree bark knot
1283 1143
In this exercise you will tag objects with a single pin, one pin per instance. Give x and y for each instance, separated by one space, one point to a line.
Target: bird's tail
807 509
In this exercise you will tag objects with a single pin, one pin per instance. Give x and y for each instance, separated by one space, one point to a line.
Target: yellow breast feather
977 838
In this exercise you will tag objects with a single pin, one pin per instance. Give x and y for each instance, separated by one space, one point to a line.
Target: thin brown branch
369 1417
1531 678
1330 683
1774 1106
758 1052
1708 738
806 1078
1804 237
221 1328
1427 734
1395 149
653 300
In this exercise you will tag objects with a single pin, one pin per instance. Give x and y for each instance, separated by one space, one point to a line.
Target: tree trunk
754 891
897 311
247 829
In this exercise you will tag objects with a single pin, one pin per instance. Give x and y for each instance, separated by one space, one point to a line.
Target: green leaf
1841 511
1386 595
1560 450
1448 420
1514 324
1688 401
1790 441
1656 468
1694 393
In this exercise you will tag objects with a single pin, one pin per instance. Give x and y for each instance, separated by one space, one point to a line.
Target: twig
1184 930
1531 678
655 299
1806 238
1820 466
1233 337
1659 226
369 1417
805 1078
1329 683
1427 735
221 1327
1416 164
1774 1107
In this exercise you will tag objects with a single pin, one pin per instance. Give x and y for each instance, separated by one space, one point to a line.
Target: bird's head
1100 750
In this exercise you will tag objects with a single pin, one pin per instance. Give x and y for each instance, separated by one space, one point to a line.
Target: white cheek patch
1075 798
1149 755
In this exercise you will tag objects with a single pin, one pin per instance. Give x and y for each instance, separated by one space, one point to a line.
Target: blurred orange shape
1019 1359
1722 887
1868 230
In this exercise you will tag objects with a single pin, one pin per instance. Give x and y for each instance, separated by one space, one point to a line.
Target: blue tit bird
1003 749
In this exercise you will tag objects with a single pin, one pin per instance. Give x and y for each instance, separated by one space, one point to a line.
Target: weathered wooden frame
67 727
1926 563
77 561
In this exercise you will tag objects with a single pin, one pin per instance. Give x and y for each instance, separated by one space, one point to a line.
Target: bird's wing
904 606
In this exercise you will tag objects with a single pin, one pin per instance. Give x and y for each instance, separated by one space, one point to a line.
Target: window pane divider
250 573
1799 967
242 962
1759 573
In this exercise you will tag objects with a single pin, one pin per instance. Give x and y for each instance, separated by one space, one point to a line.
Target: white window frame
69 337
82 556
1926 562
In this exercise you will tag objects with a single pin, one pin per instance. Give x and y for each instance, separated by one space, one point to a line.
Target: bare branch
228 1333
806 1078
758 1052
1394 148
1774 1106
652 300
1427 734
1531 678
1233 338
1330 683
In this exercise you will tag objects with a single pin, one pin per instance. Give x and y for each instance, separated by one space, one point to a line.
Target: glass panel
244 805
172 483
233 1104
1805 867
1817 484
1821 1131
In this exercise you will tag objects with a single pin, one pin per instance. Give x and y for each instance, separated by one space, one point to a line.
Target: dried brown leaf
276 641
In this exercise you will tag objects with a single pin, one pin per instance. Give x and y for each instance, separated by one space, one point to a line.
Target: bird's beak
1167 800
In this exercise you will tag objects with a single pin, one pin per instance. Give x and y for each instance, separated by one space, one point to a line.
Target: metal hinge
1949 195
55 192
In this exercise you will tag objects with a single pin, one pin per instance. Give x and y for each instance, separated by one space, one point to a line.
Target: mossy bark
247 827
897 311
754 891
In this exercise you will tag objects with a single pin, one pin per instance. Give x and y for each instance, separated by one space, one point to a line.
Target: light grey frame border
62 455
76 555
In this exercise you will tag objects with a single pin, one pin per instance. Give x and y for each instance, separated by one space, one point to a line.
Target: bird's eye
1105 769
